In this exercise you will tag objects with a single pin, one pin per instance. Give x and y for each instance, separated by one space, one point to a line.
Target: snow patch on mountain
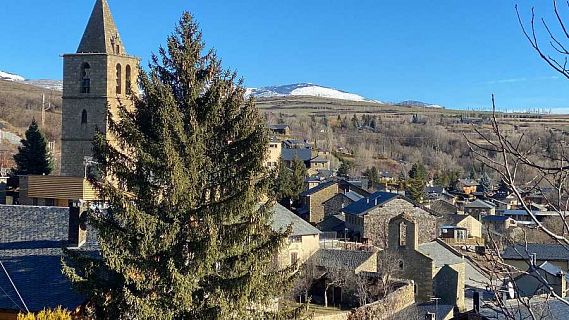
304 89
420 104
10 76
46 84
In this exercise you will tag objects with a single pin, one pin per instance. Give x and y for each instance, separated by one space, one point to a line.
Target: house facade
368 218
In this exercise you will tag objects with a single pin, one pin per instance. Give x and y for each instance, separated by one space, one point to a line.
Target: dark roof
443 207
454 219
341 259
335 223
495 218
419 311
468 182
543 251
278 126
319 187
480 204
31 241
375 199
282 218
301 154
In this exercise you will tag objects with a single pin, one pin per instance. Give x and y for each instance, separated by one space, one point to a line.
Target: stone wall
448 285
316 202
388 307
376 222
335 204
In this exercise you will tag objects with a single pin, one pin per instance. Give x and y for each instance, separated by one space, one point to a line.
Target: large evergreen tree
184 236
299 174
33 155
417 182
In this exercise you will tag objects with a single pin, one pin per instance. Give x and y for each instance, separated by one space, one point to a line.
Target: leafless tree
387 267
307 273
334 277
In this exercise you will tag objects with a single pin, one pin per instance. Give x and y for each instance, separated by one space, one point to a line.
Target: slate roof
341 259
543 251
443 207
441 255
480 204
319 187
301 154
278 126
420 310
495 218
31 239
100 30
282 218
552 269
362 206
454 219
335 223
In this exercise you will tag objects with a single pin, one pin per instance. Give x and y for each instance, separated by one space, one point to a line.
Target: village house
530 283
274 154
518 256
367 219
467 186
443 207
303 241
280 129
480 208
498 224
461 229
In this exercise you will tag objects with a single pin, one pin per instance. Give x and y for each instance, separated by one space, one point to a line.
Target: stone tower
96 79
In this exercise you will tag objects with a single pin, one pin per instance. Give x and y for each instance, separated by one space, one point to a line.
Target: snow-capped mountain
304 89
10 76
42 83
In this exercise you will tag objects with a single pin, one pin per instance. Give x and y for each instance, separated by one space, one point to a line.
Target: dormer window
119 79
85 78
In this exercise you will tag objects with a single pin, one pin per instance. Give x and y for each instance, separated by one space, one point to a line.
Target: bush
47 314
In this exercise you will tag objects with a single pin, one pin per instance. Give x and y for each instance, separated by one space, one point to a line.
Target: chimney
367 200
562 284
430 316
533 259
77 224
375 202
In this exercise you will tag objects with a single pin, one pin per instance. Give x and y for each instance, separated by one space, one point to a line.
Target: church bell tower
97 79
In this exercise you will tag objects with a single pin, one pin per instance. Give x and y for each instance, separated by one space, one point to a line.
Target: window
401 265
85 78
84 117
402 234
119 79
293 257
128 80
49 202
295 239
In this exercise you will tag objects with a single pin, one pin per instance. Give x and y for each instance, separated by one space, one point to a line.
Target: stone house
553 253
368 218
443 278
443 207
280 129
303 241
498 224
480 208
529 284
313 201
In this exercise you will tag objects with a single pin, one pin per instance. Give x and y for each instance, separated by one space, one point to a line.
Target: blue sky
450 52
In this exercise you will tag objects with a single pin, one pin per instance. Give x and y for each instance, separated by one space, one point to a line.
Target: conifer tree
186 234
33 157
417 182
299 174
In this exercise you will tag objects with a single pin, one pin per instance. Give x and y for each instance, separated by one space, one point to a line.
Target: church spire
101 34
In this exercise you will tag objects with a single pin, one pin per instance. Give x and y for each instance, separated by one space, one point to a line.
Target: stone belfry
96 79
